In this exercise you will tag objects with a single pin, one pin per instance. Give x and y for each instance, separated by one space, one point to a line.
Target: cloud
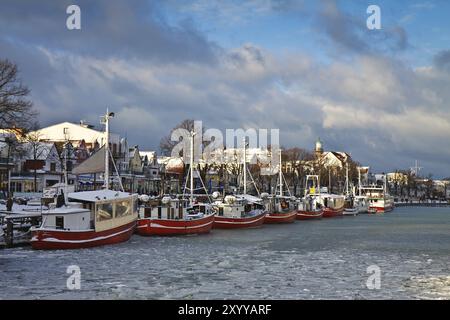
108 28
442 60
350 33
372 104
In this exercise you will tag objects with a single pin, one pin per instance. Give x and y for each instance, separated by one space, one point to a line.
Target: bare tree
166 144
16 111
297 157
35 150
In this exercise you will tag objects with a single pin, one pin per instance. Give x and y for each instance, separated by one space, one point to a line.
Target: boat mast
359 181
105 119
245 167
280 174
191 167
346 179
66 180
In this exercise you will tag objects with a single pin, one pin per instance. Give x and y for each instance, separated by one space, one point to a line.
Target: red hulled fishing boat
92 218
309 208
177 216
282 209
89 218
333 205
241 211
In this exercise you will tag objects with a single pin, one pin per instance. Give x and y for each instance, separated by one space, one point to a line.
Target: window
220 211
59 222
123 208
135 206
53 166
104 211
69 166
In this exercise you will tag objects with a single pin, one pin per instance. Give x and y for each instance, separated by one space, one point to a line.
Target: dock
16 226
423 204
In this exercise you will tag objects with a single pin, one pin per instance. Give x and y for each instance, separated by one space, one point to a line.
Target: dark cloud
350 33
154 75
109 28
442 60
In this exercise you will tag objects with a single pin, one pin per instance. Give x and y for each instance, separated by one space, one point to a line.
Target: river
325 259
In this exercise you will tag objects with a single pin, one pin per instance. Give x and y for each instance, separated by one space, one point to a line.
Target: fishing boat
333 205
281 208
379 200
89 218
361 202
309 206
239 211
172 216
377 197
350 208
177 216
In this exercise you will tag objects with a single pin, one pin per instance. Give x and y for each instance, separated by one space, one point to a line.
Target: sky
309 68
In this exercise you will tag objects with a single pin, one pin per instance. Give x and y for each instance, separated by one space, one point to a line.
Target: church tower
319 149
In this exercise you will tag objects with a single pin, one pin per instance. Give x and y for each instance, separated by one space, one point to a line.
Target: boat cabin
332 201
309 203
281 204
92 210
174 209
239 206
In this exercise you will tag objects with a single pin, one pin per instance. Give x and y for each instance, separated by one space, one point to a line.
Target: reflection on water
324 259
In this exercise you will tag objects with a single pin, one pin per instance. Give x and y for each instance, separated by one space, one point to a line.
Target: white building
76 133
42 159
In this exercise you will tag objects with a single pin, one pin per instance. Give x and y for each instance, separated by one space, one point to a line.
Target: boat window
135 206
104 211
147 212
220 211
123 208
59 222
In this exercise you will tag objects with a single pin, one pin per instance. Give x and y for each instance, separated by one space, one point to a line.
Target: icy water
325 259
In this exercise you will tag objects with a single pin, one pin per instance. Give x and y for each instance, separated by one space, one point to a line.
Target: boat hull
333 212
381 209
171 227
239 223
275 217
45 239
309 215
351 212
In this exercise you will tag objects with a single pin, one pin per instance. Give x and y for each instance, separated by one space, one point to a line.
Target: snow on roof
98 195
150 154
249 198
